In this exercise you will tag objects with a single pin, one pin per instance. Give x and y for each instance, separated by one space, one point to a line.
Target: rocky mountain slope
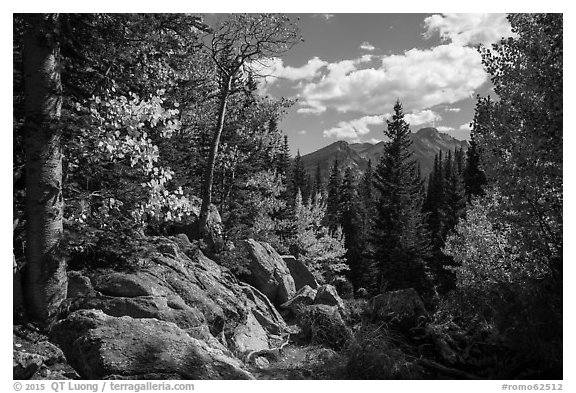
426 143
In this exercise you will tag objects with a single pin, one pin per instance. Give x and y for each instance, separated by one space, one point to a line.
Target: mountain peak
428 132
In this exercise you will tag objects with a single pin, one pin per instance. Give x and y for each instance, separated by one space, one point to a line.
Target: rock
250 336
25 365
157 307
268 272
101 346
34 357
300 273
326 294
322 324
201 297
78 285
261 362
304 297
266 314
402 309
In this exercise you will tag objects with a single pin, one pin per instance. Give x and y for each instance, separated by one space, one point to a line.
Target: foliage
323 325
375 354
319 249
520 135
399 237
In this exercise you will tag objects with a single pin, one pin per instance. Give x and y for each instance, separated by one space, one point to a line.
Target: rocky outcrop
304 297
324 325
187 289
268 272
328 295
101 346
402 309
299 272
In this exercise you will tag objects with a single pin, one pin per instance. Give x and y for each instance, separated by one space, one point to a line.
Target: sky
351 69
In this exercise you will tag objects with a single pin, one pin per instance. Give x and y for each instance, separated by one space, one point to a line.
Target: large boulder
402 309
300 273
304 297
268 272
327 294
100 346
188 289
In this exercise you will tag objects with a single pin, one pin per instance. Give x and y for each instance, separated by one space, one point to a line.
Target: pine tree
399 236
298 180
332 217
474 178
351 223
318 185
283 158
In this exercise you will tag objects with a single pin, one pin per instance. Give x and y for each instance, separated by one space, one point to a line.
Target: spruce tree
298 180
474 178
399 237
350 221
332 217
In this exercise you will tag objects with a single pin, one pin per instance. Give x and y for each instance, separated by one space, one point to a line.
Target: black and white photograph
287 196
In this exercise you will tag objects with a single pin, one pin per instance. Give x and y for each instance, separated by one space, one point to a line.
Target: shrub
375 354
323 325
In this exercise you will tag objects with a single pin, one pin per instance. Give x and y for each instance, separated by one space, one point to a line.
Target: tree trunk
209 172
45 282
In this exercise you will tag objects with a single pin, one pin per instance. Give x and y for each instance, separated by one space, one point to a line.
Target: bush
323 325
374 354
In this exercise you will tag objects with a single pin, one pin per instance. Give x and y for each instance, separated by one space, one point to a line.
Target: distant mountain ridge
426 143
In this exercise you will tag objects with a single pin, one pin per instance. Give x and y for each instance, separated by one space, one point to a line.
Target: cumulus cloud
302 132
276 69
421 117
419 78
445 129
355 128
465 127
468 29
367 46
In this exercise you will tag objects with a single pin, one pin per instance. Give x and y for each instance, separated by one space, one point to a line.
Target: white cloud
456 110
275 68
421 117
302 132
419 78
354 128
445 129
374 140
465 127
468 29
367 46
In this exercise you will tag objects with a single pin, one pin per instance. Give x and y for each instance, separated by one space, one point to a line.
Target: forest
130 130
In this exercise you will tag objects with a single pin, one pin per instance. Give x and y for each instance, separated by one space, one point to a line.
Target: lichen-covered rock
299 272
268 272
185 288
100 346
250 336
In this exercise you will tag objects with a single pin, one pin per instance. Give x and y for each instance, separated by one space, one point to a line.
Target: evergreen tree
399 237
318 185
283 158
332 217
351 223
474 178
298 180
